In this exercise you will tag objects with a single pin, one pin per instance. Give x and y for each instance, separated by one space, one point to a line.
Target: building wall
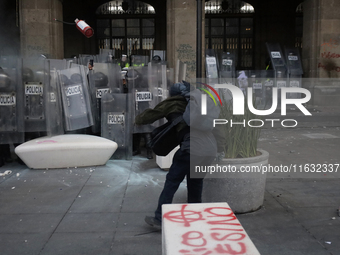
39 32
274 22
9 30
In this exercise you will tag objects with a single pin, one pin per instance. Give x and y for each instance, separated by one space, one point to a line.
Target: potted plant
238 178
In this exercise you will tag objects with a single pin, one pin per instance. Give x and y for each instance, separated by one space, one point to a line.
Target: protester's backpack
164 138
193 112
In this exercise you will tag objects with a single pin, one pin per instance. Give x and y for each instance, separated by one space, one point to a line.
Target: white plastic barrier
203 229
62 151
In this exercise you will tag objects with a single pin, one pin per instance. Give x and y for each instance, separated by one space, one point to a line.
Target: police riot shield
11 101
161 54
295 71
143 84
75 98
180 71
279 65
54 106
139 60
268 84
242 80
227 67
255 81
84 59
73 60
106 56
36 80
159 78
103 78
116 122
211 66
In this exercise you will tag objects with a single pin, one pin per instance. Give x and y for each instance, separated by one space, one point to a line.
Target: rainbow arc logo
209 93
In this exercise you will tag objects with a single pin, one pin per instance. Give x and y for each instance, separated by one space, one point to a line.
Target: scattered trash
13 187
18 174
328 242
7 172
292 151
333 218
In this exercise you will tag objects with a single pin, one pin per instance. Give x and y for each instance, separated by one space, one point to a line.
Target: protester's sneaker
153 222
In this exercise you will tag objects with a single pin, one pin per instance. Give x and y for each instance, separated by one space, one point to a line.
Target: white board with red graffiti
203 229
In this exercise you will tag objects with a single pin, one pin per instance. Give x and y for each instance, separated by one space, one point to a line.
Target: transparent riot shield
227 67
280 82
158 79
139 61
180 71
103 78
295 71
211 66
106 56
84 59
279 65
268 84
75 98
158 53
36 79
116 123
69 61
143 84
242 80
11 101
256 82
54 106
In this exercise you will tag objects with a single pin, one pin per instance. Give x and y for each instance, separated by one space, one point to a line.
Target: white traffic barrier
62 151
203 229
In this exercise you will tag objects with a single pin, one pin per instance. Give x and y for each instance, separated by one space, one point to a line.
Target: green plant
241 140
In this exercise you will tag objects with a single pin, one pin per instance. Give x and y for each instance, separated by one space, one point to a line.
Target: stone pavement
101 210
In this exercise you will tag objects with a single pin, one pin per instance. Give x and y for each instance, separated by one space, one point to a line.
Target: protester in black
180 168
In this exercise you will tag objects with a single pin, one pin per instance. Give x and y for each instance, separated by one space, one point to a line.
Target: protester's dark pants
179 169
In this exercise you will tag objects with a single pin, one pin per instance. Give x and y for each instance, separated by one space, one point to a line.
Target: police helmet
100 79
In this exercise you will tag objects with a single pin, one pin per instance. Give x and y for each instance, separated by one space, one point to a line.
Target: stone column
39 32
321 38
181 34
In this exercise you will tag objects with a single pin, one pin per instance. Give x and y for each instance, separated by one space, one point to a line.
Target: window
126 26
229 27
299 26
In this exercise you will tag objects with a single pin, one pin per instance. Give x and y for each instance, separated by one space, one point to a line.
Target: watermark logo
238 100
238 104
204 97
208 92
